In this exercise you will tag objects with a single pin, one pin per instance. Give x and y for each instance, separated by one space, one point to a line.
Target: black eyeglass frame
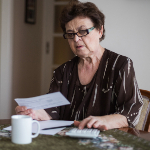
88 31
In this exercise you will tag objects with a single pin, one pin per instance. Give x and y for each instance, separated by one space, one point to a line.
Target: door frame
6 57
47 45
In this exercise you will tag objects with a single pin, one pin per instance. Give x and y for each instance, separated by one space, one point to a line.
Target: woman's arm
103 122
129 101
47 114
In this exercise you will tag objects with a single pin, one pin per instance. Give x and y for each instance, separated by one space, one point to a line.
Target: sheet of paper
52 123
47 124
50 132
43 101
7 128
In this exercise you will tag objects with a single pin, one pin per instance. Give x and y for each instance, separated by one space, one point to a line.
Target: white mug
22 129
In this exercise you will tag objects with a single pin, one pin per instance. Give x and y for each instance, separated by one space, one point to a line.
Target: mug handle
38 130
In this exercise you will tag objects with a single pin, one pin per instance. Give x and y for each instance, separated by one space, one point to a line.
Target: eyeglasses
80 33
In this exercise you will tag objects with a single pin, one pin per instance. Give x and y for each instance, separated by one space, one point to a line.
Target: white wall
127 28
6 58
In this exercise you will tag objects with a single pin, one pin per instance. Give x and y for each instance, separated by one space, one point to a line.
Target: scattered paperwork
47 124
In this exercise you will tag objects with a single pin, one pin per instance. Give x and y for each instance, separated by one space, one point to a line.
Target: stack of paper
48 124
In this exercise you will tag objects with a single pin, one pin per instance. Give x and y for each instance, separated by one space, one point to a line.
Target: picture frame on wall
30 11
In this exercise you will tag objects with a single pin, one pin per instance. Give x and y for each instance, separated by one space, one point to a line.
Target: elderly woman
100 84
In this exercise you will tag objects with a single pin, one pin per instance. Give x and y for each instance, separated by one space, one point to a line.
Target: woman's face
87 45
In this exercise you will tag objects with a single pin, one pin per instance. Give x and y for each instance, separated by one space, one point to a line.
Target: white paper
47 124
43 101
7 128
50 132
52 123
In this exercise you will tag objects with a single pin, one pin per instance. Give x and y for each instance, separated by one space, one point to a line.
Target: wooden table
139 133
5 121
122 133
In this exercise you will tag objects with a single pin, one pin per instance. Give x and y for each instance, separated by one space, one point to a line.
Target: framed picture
30 11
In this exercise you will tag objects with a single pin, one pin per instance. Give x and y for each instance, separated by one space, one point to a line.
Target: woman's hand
103 122
92 121
40 114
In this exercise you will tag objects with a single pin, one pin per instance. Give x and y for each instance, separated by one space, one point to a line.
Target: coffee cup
22 129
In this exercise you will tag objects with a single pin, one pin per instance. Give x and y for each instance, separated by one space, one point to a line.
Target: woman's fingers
102 127
40 114
98 122
84 122
22 110
35 114
19 109
91 122
76 123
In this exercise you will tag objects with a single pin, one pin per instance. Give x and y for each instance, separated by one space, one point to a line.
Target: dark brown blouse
113 90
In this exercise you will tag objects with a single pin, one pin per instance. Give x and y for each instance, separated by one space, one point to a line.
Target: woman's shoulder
113 55
115 59
67 66
69 63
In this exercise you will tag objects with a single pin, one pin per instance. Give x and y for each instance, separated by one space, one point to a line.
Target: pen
72 125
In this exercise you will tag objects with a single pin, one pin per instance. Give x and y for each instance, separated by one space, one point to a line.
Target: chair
144 121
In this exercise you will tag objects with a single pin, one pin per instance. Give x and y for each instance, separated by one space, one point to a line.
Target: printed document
44 101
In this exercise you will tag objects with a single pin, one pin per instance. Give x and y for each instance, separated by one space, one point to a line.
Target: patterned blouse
113 90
